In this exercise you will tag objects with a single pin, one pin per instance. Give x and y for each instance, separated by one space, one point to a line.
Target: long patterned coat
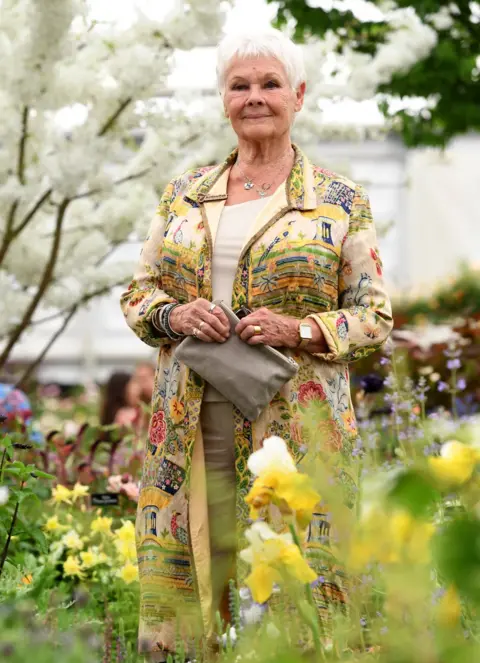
312 251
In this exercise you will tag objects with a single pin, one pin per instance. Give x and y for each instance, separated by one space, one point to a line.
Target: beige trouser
216 420
219 449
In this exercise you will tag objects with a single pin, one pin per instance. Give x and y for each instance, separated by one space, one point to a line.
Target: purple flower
363 622
384 630
442 386
453 364
461 384
384 361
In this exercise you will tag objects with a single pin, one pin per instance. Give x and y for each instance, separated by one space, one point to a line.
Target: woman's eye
239 86
271 84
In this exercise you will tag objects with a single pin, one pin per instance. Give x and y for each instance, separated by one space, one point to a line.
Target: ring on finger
201 325
212 307
257 330
195 332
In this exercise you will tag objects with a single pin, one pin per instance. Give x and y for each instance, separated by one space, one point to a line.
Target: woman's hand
279 331
202 320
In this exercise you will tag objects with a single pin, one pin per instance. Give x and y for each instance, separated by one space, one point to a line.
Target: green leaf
43 475
413 491
456 551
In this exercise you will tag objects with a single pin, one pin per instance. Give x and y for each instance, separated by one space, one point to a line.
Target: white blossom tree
70 196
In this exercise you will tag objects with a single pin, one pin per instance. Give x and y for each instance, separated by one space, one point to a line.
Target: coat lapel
210 192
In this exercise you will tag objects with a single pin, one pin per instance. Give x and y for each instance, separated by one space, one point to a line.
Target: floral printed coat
312 252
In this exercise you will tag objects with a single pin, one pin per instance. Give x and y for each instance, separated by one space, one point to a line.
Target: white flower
256 535
72 540
3 495
230 637
274 455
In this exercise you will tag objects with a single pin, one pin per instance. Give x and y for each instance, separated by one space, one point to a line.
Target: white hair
270 43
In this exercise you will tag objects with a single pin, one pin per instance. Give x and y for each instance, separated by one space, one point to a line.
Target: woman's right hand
202 320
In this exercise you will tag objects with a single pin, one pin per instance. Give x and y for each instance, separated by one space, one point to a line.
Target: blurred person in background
15 406
122 412
144 374
294 246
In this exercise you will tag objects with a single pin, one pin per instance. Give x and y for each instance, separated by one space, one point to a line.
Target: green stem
453 393
315 624
2 465
10 533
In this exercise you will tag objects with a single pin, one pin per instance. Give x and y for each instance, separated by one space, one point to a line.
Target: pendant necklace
250 184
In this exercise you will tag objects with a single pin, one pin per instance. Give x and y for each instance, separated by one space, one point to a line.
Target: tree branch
43 286
29 215
7 237
70 314
22 146
113 118
122 180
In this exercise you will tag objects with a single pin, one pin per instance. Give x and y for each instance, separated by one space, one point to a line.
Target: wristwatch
306 334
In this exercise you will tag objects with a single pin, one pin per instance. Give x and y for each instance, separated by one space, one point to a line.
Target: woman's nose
255 98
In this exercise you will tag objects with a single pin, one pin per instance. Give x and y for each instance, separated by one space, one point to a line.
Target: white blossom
3 495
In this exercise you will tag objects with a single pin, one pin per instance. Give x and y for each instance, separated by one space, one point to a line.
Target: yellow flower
274 558
126 549
72 540
449 608
92 557
456 463
27 580
126 532
79 491
129 573
102 524
279 482
177 410
71 567
61 494
390 538
289 491
53 525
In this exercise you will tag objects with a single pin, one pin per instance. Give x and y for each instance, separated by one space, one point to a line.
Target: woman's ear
300 94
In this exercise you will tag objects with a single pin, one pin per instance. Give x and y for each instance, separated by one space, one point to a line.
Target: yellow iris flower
449 608
456 463
274 558
279 482
289 491
390 538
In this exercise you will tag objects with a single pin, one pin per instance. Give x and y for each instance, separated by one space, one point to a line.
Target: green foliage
450 73
459 297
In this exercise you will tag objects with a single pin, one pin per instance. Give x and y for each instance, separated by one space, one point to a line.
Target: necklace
265 187
250 184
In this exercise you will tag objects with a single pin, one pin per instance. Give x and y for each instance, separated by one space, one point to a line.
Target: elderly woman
293 246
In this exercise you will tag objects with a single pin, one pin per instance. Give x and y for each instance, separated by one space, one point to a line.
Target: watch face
305 331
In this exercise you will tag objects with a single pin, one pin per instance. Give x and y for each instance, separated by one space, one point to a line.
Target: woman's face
133 392
259 100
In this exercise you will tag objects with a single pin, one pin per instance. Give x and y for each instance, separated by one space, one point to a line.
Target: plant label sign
105 499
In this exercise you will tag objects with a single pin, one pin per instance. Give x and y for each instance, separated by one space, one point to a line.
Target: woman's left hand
262 327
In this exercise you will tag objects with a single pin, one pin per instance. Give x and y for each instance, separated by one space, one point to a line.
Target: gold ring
257 330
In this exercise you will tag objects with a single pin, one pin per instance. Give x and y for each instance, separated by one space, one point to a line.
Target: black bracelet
165 322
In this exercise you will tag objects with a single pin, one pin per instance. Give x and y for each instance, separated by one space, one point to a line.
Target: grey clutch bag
249 376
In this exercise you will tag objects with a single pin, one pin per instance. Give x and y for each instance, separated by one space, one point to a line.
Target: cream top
233 227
